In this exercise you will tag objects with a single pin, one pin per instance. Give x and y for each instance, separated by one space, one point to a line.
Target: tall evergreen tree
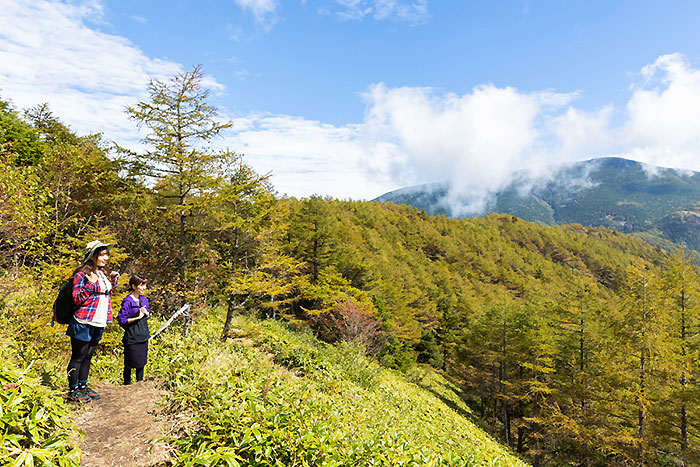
181 126
682 284
241 207
643 329
311 235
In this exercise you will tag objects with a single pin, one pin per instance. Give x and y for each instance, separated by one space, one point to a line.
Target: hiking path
119 428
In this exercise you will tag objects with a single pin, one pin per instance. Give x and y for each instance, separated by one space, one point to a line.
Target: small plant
33 426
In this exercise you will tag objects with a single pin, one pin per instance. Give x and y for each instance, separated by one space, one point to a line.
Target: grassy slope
278 397
271 397
289 397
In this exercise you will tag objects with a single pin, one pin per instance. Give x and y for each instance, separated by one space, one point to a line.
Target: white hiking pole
182 310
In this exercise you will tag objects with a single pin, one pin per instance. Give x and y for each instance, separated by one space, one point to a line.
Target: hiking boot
91 393
77 395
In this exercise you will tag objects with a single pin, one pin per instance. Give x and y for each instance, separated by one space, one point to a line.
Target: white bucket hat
92 247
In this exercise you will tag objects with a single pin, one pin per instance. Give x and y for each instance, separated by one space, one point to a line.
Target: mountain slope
274 396
615 193
271 396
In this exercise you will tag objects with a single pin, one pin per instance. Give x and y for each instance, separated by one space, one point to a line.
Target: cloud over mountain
477 140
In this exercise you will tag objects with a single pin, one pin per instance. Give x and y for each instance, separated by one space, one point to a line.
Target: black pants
79 365
127 374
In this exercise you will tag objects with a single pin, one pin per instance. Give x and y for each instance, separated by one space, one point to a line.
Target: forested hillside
573 345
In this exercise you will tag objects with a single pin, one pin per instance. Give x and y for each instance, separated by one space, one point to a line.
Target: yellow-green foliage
278 397
33 425
423 268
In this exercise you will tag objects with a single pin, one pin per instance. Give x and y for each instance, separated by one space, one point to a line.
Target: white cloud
235 33
263 10
241 74
580 134
306 157
412 11
49 54
474 140
658 125
663 126
478 140
424 136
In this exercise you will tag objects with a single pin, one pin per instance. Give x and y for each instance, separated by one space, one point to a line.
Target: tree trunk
230 311
229 317
521 440
183 245
684 435
506 424
642 381
642 413
315 261
503 376
684 382
582 354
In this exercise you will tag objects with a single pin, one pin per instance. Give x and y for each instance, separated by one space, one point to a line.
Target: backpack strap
109 292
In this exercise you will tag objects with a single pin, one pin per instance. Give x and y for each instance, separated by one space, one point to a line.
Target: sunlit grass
291 400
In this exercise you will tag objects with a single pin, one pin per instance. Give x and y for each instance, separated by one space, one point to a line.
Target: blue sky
300 61
352 98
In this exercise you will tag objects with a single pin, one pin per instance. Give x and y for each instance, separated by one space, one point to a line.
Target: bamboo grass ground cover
34 429
285 400
291 400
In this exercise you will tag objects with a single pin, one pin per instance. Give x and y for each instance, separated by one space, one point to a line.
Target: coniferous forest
570 345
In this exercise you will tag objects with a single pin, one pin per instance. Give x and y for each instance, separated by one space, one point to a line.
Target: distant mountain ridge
656 203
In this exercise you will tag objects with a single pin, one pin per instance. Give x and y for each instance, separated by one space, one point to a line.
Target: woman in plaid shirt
93 285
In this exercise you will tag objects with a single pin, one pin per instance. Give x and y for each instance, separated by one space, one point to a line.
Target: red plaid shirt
86 297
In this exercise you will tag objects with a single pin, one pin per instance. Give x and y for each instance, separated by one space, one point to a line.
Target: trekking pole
169 322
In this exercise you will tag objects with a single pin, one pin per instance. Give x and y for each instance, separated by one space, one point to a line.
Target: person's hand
144 311
114 274
141 315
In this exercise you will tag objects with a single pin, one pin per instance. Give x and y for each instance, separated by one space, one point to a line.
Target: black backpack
64 306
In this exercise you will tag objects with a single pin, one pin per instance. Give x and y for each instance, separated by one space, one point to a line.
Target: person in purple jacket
133 317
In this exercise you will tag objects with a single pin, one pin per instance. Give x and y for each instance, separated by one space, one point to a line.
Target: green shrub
33 426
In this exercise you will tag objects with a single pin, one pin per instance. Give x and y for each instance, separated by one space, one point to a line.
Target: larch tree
645 347
681 283
181 126
311 235
575 412
242 218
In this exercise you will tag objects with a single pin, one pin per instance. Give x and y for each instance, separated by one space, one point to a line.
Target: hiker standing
93 285
133 317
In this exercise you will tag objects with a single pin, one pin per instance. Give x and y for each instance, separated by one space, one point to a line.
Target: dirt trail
118 427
